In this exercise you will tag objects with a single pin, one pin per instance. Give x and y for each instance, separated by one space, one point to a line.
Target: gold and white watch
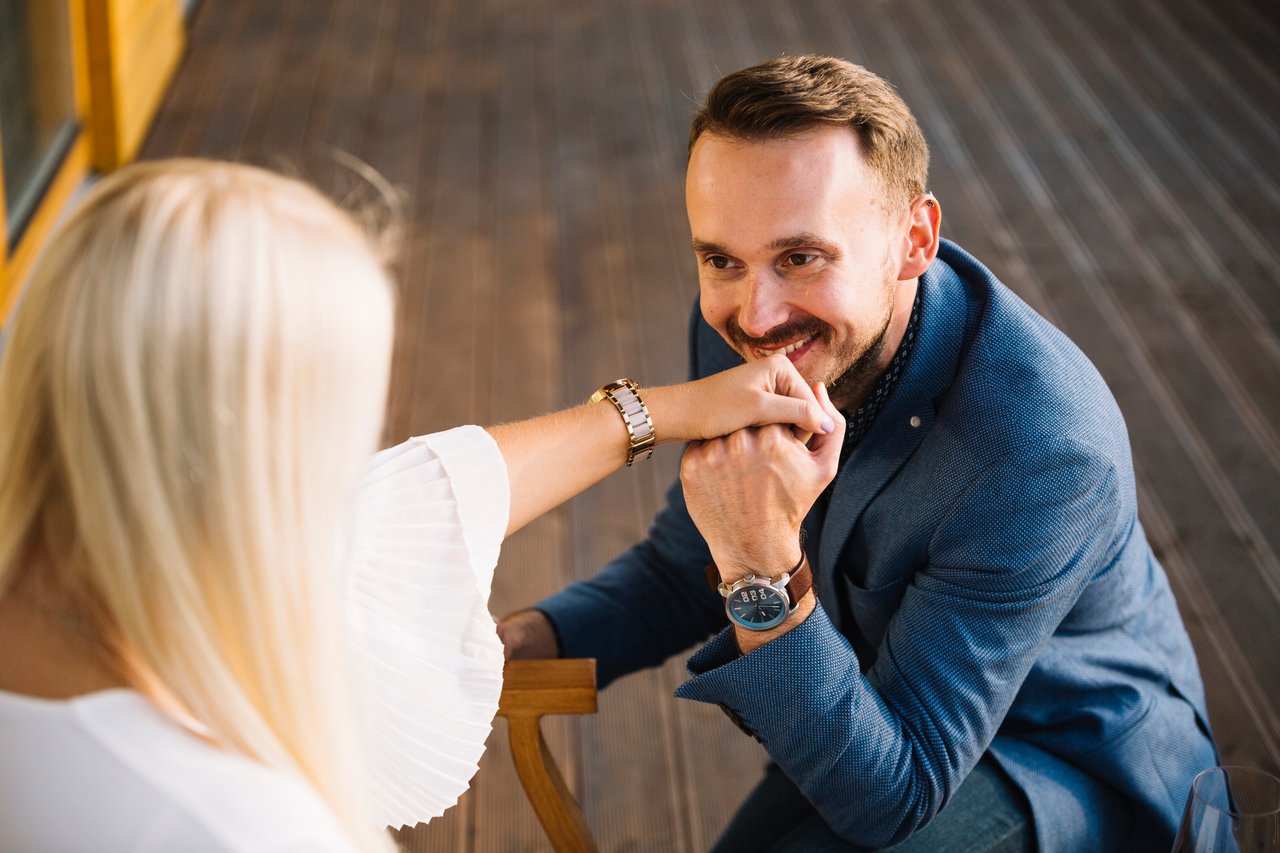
625 396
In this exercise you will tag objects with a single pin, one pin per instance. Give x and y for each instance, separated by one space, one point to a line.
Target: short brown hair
791 94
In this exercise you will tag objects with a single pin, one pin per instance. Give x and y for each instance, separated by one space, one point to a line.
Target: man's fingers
527 634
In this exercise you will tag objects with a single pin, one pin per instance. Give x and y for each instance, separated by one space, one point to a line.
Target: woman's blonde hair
193 380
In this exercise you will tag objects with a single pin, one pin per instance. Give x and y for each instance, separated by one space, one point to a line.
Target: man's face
795 252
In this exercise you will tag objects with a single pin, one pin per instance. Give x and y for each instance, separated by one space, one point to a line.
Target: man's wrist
771 562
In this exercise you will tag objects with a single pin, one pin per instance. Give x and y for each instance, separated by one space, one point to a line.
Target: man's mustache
784 334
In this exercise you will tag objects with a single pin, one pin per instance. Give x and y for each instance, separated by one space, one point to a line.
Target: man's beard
857 363
851 387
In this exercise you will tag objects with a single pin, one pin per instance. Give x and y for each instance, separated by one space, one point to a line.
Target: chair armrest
531 689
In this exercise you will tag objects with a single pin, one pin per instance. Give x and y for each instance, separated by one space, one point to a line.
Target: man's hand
527 634
749 492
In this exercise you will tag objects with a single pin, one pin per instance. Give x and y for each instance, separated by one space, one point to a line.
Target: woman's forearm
554 457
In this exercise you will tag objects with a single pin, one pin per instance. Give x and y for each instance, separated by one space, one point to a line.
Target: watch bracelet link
624 394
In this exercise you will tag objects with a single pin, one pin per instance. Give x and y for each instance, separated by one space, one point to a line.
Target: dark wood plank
591 166
526 332
1113 163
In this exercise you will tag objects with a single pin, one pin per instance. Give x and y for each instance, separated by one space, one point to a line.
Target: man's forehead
784 174
768 195
826 148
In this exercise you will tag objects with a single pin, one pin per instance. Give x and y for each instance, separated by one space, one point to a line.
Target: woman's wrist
669 408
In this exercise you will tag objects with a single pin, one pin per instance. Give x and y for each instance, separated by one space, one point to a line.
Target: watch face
757 608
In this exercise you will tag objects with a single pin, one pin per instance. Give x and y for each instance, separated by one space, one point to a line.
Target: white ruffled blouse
430 518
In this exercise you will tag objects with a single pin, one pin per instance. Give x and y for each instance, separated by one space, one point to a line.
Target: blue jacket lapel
892 439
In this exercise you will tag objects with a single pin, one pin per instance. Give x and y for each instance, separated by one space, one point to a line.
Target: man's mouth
791 351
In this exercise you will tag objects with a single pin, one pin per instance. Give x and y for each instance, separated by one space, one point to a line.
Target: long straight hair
194 378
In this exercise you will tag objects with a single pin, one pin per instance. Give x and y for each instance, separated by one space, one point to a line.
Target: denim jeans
987 814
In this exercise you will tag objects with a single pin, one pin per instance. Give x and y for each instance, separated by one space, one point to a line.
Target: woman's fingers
794 399
806 416
826 447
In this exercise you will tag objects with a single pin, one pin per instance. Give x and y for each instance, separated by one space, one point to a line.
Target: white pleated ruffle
430 518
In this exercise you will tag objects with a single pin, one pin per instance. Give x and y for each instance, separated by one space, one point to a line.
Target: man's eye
801 259
719 262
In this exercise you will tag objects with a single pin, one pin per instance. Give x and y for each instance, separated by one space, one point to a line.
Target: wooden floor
1116 163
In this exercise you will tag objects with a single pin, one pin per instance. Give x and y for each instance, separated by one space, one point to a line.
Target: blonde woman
206 643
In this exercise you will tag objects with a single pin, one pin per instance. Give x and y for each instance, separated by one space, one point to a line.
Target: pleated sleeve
429 521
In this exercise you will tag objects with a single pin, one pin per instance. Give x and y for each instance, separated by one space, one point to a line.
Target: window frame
66 178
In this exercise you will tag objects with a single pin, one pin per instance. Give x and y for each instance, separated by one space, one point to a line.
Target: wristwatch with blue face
758 603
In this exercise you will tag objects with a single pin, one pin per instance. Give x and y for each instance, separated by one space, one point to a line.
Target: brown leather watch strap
713 577
800 583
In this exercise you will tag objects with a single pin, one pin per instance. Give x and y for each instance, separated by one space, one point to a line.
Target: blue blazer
983 583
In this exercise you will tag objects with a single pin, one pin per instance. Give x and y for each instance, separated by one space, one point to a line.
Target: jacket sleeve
652 601
879 754
646 605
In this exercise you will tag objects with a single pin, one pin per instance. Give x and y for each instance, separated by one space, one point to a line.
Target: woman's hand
759 393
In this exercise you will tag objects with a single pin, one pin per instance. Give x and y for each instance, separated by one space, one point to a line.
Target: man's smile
793 351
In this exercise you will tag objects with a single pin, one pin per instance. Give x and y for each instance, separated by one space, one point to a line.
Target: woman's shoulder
125 771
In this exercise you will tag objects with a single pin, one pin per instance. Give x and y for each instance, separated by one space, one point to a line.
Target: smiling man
944 621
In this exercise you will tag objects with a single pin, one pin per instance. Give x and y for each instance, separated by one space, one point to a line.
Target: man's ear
920 243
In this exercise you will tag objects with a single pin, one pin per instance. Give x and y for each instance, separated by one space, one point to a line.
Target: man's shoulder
1019 377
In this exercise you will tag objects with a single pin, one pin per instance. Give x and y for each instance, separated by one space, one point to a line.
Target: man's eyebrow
702 247
797 241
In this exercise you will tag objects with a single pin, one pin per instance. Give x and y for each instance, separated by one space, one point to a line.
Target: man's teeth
787 349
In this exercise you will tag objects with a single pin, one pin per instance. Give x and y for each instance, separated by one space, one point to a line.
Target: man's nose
763 307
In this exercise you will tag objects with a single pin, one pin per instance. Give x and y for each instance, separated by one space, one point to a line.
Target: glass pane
37 101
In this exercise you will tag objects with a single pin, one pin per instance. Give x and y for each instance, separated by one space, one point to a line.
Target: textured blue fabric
984 585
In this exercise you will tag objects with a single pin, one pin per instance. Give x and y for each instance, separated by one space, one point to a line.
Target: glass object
37 102
1231 810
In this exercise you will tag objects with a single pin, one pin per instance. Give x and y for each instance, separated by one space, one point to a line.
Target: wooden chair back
530 690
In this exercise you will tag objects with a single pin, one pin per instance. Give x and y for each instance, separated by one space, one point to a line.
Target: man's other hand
749 492
527 634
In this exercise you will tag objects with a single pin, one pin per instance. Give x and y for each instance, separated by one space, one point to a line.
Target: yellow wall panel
134 48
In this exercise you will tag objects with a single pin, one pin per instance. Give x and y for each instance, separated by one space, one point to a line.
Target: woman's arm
554 457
